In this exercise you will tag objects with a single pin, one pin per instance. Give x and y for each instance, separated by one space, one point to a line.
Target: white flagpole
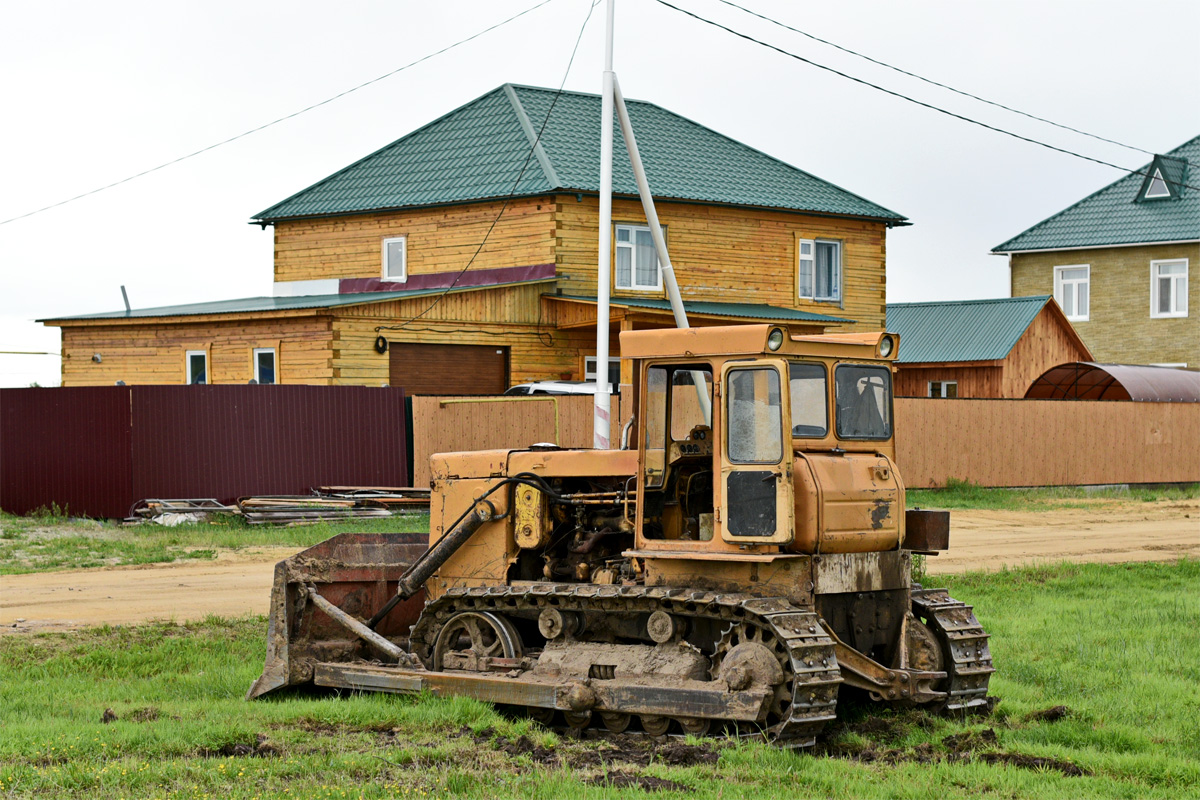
602 420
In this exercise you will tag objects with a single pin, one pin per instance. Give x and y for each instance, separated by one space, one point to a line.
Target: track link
970 664
806 650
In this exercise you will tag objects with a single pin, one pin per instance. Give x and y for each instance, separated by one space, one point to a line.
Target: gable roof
1119 214
477 152
962 330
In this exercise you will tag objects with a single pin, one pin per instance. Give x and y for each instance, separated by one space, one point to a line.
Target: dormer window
1157 187
1164 179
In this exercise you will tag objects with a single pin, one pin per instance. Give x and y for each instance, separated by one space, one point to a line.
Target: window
1169 288
264 364
636 259
864 401
197 366
943 388
755 416
1071 290
1157 187
819 271
395 259
614 370
810 400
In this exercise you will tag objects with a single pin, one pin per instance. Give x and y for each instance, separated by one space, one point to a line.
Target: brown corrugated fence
97 450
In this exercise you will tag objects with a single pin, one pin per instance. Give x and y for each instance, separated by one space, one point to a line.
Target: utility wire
930 106
281 119
508 198
932 82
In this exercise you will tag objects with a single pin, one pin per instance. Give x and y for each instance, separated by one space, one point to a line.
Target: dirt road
239 582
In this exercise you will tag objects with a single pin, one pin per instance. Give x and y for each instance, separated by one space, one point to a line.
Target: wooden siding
1046 442
507 317
454 424
1046 343
735 255
438 240
154 353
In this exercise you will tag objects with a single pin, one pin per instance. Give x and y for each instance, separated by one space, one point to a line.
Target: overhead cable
913 100
294 114
837 46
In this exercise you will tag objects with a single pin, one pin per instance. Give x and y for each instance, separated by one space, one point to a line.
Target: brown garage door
448 368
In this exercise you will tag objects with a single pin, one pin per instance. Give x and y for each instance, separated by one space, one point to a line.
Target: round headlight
775 339
886 345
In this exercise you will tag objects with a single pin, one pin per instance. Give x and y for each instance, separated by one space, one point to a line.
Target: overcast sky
95 92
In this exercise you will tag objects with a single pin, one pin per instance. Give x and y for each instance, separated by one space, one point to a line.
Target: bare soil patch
238 582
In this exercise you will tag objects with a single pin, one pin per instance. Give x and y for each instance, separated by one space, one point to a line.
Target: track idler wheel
470 639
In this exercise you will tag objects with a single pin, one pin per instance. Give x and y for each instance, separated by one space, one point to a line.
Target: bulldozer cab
719 436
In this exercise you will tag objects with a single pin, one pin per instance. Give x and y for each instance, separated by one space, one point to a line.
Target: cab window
810 400
755 416
863 394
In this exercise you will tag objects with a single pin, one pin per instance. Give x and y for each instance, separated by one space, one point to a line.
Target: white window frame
634 286
1181 302
941 389
274 364
1059 286
403 276
589 369
835 278
187 360
1157 176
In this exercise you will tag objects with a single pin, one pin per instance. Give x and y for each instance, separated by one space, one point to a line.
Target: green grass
1116 644
961 494
40 543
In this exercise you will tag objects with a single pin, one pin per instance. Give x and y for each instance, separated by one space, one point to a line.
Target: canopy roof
1084 380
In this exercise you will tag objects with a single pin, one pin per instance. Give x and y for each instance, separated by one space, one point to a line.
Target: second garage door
448 368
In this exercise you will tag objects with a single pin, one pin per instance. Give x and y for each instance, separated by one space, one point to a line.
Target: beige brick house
1119 261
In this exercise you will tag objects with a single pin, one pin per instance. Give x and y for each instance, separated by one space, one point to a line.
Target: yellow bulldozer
743 557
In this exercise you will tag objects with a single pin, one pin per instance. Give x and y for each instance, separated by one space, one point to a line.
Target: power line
281 119
932 82
913 100
528 157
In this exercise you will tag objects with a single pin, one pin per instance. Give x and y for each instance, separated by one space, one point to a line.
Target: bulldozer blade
355 573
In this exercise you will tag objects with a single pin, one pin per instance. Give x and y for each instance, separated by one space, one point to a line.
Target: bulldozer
743 558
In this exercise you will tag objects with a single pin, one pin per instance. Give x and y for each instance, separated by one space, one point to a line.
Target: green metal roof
961 330
739 310
1118 214
251 305
477 152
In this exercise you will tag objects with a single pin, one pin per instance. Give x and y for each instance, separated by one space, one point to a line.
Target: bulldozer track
969 667
805 651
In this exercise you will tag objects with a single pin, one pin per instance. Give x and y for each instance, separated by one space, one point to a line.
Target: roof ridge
1024 298
534 137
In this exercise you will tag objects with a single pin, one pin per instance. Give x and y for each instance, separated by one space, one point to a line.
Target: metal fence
96 450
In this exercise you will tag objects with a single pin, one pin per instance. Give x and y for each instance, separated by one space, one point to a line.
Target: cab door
756 454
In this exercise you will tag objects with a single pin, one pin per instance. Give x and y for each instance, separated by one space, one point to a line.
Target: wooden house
462 258
1118 262
980 348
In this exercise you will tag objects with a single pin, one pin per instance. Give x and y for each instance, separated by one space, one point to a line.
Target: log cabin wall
152 351
439 239
733 255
